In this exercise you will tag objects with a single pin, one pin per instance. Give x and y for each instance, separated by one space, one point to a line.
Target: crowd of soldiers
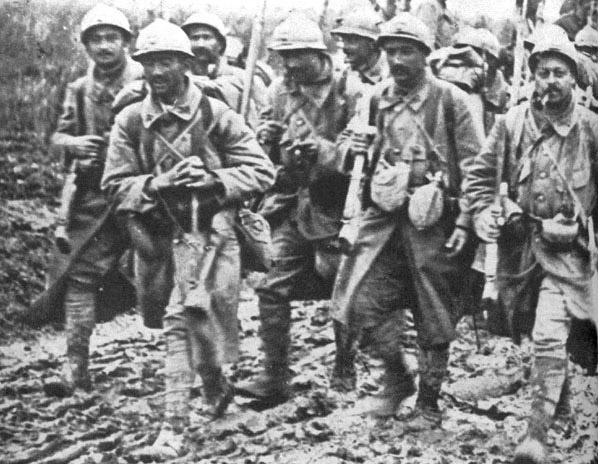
164 163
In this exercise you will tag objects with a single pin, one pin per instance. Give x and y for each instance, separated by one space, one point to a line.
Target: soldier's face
165 74
554 80
406 61
303 66
358 50
106 46
204 43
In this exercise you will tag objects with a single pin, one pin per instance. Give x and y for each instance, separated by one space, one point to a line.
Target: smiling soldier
545 150
95 238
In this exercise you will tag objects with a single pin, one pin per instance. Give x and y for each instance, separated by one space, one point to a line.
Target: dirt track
484 402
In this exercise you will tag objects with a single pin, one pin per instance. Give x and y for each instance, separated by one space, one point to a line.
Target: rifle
67 198
378 9
353 202
517 83
490 293
593 249
254 48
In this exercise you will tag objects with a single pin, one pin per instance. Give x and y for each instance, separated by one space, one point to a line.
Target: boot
549 380
398 384
433 368
271 385
344 377
217 391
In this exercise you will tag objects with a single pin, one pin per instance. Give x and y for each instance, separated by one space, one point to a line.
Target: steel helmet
162 36
104 15
362 23
542 33
470 36
407 26
490 42
556 45
587 37
203 18
297 32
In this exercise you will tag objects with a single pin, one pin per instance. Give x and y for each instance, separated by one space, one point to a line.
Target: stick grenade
254 48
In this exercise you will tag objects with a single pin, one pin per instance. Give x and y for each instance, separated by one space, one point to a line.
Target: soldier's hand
185 172
270 132
306 150
359 144
486 224
87 146
454 245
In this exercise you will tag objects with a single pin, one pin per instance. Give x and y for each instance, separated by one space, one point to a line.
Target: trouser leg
344 377
549 380
79 303
292 277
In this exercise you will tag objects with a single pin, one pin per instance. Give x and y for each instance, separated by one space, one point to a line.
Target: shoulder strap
80 102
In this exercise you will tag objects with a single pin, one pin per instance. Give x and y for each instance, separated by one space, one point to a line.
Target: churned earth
484 403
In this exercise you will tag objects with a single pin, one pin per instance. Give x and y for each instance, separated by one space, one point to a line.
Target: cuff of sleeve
464 221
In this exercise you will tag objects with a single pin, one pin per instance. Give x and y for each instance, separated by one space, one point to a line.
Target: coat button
543 175
299 122
540 197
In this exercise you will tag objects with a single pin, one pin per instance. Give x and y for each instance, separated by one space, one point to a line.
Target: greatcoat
441 110
196 125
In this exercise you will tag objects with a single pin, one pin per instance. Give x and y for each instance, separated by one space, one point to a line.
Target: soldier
436 16
96 240
545 150
414 255
586 42
173 149
359 32
207 33
305 115
574 20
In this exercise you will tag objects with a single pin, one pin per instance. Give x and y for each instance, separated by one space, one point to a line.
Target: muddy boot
397 387
344 377
549 380
217 391
79 304
271 385
433 368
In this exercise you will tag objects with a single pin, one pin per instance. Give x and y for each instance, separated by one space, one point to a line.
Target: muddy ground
484 401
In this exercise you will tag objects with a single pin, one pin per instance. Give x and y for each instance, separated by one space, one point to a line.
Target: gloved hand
486 224
454 245
269 132
190 172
